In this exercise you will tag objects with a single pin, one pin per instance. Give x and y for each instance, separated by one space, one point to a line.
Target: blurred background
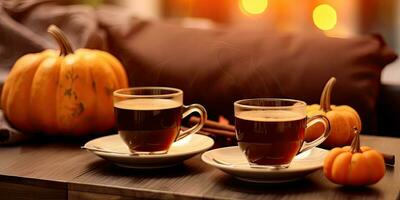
335 18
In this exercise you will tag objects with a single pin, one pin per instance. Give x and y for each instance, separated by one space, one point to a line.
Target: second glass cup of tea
270 132
149 118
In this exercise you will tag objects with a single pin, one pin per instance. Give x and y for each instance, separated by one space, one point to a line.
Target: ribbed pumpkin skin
343 120
63 95
344 167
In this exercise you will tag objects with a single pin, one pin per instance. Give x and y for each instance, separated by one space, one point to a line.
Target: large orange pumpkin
343 119
63 92
354 165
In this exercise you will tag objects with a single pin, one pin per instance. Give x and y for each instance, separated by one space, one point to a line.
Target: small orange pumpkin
342 118
354 166
63 92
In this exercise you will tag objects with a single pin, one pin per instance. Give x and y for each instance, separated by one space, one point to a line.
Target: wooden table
64 171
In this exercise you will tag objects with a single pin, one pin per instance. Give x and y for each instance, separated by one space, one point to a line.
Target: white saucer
178 152
232 161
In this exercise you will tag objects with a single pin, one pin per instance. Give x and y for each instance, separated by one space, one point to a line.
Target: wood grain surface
65 171
25 191
47 164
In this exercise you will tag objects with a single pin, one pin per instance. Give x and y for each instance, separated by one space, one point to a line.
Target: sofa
216 66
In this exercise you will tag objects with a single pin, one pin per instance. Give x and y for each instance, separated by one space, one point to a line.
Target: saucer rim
162 166
208 160
209 142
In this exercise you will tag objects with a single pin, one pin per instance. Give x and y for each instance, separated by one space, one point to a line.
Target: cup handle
187 110
327 130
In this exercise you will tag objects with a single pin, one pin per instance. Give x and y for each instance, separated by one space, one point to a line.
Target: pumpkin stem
355 145
325 102
59 36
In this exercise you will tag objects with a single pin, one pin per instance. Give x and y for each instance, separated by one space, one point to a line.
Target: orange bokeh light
253 7
325 17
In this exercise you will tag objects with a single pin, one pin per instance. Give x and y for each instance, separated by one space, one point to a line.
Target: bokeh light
253 7
325 17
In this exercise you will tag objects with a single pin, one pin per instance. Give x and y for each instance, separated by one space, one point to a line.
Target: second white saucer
232 161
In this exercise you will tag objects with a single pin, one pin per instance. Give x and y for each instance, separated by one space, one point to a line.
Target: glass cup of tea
149 118
270 132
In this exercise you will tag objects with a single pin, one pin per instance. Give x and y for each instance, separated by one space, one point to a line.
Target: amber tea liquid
148 125
270 137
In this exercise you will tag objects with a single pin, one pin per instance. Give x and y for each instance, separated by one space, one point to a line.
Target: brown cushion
213 67
216 68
